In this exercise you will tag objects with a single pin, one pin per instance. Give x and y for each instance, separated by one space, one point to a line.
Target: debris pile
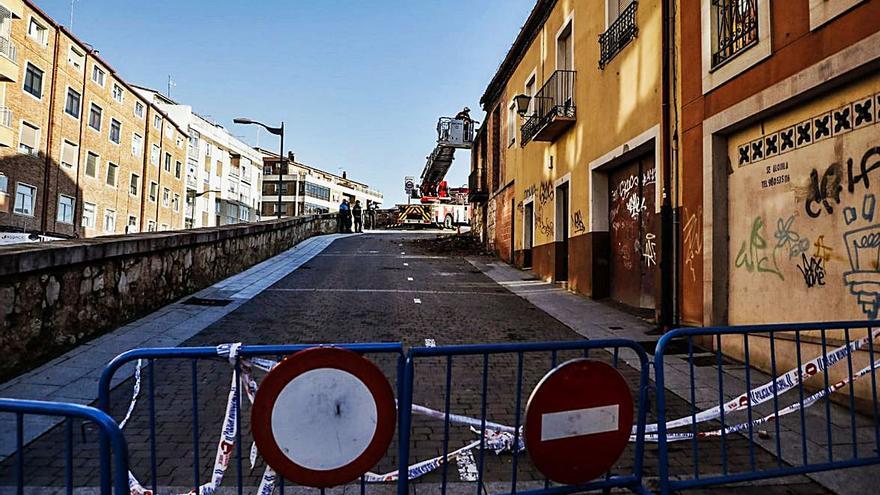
467 244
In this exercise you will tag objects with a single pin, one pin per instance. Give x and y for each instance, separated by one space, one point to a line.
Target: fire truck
438 204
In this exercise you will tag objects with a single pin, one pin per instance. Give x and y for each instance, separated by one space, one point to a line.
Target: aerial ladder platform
440 205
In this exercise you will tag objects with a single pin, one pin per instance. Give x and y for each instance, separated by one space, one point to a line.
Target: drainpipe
44 222
145 179
668 317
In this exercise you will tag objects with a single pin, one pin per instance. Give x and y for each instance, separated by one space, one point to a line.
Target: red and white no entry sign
323 416
578 421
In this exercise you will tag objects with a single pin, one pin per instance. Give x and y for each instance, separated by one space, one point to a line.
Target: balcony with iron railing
554 109
8 65
477 187
618 35
7 134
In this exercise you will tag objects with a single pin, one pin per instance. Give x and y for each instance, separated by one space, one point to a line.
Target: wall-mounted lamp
522 104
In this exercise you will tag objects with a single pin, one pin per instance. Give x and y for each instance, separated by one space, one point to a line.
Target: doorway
528 233
561 261
632 233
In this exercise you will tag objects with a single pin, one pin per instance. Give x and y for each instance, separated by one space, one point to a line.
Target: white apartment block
306 190
223 174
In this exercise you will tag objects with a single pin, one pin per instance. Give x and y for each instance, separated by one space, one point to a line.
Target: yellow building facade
576 162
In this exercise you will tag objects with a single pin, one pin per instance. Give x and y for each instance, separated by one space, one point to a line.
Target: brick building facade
77 140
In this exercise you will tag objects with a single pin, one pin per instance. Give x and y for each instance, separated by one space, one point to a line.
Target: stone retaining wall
57 295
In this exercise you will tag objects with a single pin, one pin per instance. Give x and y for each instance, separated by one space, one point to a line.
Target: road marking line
401 291
410 279
417 300
579 422
406 264
430 343
403 252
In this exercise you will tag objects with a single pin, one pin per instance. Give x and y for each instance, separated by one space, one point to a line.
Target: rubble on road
466 244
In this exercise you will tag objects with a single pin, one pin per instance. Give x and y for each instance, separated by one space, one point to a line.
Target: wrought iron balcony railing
7 48
554 108
736 24
619 34
477 188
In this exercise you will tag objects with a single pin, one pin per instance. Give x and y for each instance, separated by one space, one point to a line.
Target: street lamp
278 131
522 104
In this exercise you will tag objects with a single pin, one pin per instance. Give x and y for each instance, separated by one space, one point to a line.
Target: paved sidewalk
73 377
607 322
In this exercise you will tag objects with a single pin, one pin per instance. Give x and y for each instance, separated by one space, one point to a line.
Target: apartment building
567 174
222 172
306 190
76 140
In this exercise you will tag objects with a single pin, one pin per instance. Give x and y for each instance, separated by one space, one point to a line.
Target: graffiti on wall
824 166
577 222
692 239
649 252
755 256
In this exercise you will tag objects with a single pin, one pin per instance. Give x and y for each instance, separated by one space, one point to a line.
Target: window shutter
69 154
29 136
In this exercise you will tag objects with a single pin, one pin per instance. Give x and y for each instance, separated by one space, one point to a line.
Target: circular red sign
578 421
323 417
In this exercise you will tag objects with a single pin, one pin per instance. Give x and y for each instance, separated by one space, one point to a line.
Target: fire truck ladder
452 134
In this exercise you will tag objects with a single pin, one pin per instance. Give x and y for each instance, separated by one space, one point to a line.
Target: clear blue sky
358 83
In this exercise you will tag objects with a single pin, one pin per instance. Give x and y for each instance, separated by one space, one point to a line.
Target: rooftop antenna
171 84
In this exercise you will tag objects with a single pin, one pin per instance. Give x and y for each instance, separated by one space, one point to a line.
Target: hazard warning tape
502 438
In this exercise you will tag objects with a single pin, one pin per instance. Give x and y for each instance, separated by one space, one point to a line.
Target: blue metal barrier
195 355
515 355
846 347
112 441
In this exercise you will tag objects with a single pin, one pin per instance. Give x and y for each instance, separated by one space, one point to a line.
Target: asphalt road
369 288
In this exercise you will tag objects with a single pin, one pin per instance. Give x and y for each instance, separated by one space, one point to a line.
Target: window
154 155
137 144
313 191
178 167
138 109
132 224
91 164
208 149
65 209
166 196
168 162
73 103
33 81
151 226
154 191
29 140
25 197
614 9
157 121
564 49
194 141
69 154
38 32
169 131
76 58
112 171
118 95
176 202
134 185
98 75
530 91
735 28
511 124
89 215
95 117
109 220
4 184
115 131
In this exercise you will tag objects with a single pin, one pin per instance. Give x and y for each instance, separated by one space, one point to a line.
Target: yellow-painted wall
614 105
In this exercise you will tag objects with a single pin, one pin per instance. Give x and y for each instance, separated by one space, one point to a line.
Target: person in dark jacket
344 216
358 213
